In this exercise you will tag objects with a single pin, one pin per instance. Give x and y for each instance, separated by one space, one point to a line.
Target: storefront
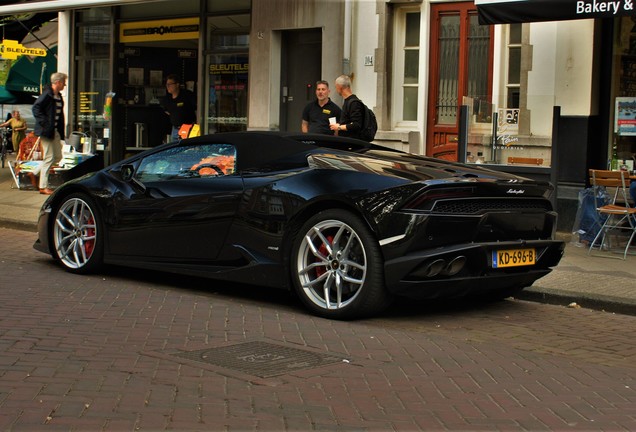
592 54
610 126
119 54
207 50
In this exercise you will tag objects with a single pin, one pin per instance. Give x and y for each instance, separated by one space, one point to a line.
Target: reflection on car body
345 224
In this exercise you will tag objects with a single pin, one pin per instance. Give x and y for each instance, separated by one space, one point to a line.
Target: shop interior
139 122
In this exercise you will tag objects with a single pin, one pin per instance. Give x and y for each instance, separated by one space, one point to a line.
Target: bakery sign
11 50
520 11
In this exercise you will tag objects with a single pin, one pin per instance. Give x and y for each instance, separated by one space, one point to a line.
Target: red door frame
441 140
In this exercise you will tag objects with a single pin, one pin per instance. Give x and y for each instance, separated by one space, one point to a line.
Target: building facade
253 64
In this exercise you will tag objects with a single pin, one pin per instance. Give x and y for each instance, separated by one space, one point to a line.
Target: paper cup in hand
332 120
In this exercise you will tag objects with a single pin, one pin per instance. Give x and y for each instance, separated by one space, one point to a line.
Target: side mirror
128 175
127 172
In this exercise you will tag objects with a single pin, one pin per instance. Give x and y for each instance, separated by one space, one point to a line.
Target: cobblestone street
132 350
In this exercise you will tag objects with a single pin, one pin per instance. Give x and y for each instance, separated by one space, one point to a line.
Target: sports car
348 225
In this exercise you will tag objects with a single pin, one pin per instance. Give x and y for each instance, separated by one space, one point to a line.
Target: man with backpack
356 120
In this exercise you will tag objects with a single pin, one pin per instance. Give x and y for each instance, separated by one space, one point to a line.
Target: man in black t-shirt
317 113
352 119
180 104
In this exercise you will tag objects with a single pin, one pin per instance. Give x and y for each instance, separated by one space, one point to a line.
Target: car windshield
196 161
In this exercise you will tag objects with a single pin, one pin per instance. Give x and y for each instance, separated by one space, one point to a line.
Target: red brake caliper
90 245
323 250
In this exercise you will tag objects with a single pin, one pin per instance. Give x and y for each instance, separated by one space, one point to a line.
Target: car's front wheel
337 267
77 235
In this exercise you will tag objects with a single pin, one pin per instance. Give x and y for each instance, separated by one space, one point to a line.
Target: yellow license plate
513 258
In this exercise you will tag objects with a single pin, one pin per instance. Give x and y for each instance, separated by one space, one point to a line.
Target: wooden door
461 65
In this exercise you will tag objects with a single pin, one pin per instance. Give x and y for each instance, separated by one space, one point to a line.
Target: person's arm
304 126
356 117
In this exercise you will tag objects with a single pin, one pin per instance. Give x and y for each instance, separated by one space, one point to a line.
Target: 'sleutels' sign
11 50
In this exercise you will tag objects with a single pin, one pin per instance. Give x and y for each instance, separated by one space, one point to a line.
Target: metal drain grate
258 358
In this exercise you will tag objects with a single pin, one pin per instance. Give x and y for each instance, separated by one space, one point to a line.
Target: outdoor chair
619 218
28 163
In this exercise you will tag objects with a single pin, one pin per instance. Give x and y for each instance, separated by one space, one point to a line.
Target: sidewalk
579 280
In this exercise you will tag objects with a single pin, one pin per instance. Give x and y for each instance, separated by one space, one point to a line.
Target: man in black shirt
317 113
352 119
180 104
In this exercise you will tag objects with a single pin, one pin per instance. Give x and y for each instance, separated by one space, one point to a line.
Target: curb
19 225
601 303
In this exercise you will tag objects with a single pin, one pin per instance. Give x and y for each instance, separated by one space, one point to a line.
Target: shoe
46 191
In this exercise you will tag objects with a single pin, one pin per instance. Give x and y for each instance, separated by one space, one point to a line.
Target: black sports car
344 223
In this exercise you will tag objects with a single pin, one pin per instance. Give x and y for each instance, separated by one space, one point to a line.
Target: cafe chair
619 218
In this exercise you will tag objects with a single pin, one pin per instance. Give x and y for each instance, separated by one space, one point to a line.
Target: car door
182 203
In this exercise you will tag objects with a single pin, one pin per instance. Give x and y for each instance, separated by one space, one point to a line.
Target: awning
520 11
6 97
17 26
9 98
29 75
62 5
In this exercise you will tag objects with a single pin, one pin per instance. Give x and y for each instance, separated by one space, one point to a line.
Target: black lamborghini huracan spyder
344 223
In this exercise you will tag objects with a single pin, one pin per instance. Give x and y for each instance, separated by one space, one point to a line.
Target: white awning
61 5
519 11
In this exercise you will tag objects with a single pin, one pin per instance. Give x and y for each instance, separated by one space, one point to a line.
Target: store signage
507 128
187 53
159 30
11 50
520 11
625 116
132 51
86 102
228 68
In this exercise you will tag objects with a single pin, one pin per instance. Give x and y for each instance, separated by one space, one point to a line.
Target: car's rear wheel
77 235
337 267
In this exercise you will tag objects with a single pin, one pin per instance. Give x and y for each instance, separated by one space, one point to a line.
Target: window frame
399 85
509 47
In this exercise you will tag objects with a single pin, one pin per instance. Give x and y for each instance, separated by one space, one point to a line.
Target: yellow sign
159 30
11 50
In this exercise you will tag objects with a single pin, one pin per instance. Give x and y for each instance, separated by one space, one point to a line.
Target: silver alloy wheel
75 233
331 264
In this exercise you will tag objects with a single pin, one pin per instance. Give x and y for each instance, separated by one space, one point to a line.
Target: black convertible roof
258 148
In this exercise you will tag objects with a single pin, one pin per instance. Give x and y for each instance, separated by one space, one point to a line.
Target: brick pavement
96 353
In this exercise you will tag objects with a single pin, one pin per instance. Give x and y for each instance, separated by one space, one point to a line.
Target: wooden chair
514 160
620 218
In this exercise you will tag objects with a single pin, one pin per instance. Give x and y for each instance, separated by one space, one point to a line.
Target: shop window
407 65
227 77
92 76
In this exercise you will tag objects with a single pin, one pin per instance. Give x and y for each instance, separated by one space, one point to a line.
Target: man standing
317 113
180 104
48 111
352 119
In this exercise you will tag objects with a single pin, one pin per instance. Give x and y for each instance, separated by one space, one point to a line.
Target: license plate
513 258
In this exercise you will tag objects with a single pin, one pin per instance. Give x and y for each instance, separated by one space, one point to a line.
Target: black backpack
369 124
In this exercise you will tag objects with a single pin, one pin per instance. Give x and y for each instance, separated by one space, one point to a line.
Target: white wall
561 75
364 39
63 58
269 18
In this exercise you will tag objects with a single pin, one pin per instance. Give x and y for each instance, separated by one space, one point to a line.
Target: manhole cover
259 358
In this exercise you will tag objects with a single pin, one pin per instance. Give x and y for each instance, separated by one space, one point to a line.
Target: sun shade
521 11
